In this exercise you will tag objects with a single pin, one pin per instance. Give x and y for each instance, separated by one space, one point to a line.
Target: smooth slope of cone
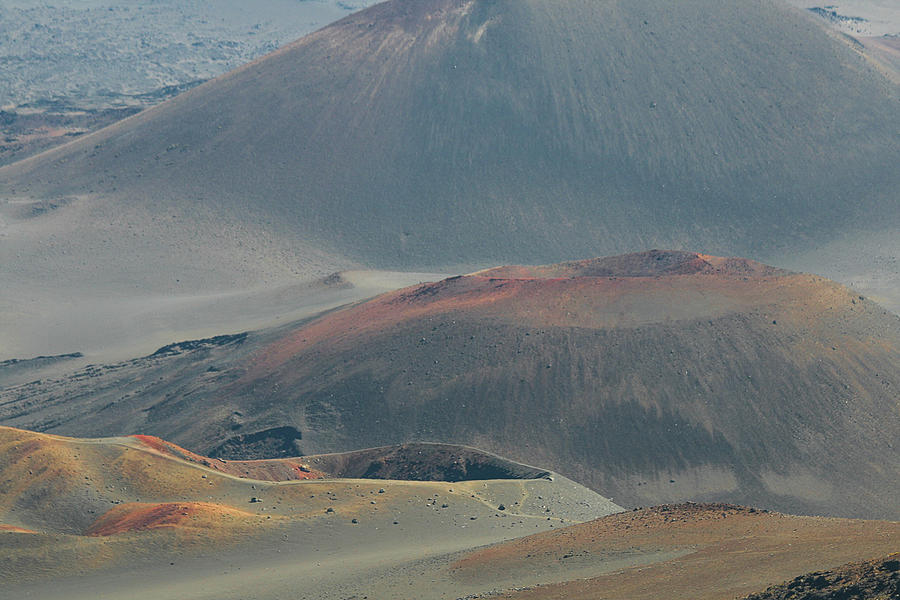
448 132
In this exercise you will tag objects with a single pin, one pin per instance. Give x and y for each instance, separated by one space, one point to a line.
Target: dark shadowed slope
422 462
661 376
449 132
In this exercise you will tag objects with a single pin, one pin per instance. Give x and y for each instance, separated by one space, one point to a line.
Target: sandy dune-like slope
438 133
111 518
104 324
654 377
722 551
139 518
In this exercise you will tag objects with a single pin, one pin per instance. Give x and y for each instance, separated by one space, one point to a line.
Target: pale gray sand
858 17
130 281
119 325
401 553
866 262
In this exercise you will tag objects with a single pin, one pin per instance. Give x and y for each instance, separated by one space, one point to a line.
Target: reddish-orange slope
176 515
655 377
276 469
662 376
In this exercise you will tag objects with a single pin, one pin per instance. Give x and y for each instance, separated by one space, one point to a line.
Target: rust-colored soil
621 291
143 516
655 377
14 529
61 485
728 551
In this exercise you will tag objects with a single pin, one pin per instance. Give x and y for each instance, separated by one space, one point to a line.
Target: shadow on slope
423 462
699 378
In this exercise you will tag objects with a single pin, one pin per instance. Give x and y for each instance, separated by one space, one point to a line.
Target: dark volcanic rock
871 580
423 462
187 346
269 443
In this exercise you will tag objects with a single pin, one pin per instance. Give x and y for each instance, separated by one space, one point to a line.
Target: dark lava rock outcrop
871 580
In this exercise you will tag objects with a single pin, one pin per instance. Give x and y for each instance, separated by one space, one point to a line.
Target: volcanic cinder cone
461 132
653 377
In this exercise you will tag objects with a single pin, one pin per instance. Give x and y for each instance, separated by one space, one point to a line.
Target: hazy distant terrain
105 323
874 24
72 66
103 53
